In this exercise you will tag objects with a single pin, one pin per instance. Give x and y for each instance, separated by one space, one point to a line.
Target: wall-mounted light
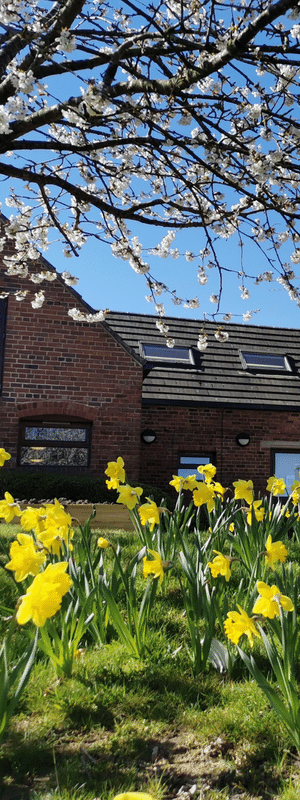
148 436
242 439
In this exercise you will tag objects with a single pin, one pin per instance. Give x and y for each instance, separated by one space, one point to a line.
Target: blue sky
108 282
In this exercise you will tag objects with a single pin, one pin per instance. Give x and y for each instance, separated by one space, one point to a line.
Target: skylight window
159 352
261 361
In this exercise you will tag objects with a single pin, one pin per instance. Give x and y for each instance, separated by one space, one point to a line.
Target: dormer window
265 361
160 352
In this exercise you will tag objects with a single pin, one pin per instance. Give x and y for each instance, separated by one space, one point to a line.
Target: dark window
54 443
3 315
188 464
262 361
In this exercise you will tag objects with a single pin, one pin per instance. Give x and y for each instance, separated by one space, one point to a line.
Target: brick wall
53 365
182 430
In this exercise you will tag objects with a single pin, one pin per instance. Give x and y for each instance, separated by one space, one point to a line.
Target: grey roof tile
218 378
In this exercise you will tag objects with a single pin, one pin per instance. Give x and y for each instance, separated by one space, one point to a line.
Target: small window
188 465
262 361
286 465
54 443
159 352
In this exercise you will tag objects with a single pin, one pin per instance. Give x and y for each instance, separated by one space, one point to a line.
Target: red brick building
75 395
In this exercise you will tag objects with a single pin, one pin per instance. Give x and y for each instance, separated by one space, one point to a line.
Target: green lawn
151 724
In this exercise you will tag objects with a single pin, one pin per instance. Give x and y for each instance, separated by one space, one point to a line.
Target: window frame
190 361
282 450
265 367
196 461
54 421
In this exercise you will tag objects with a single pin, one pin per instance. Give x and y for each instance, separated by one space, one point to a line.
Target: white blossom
69 279
295 257
77 316
245 294
20 295
39 299
202 342
221 335
162 327
194 303
189 256
160 309
48 275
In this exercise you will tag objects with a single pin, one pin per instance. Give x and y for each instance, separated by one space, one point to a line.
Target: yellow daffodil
269 601
43 598
259 512
204 493
149 512
133 796
26 559
296 492
103 543
237 624
56 514
179 482
33 519
116 473
276 485
4 456
55 528
8 508
153 567
219 489
275 551
243 490
129 496
231 527
208 470
53 538
220 565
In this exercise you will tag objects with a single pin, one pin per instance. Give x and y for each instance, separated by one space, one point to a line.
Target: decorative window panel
54 443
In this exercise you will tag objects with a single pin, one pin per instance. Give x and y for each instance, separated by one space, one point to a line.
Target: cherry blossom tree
176 114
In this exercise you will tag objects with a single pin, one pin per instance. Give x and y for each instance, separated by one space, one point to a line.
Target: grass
121 724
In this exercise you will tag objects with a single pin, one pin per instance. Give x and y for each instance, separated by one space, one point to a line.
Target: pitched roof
218 377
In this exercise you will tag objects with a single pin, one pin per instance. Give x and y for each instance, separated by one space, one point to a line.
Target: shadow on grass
97 762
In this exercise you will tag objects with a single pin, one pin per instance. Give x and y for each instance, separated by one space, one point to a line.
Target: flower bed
107 516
